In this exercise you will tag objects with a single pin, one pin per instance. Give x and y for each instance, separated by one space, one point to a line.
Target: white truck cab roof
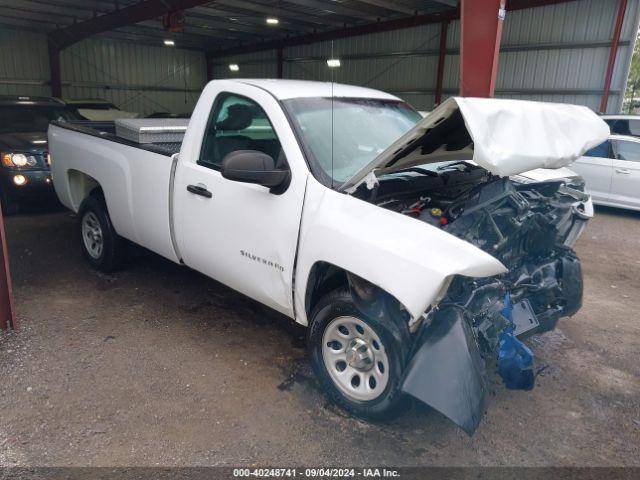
284 89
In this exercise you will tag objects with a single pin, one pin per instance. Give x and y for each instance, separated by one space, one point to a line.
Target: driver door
596 167
240 234
625 183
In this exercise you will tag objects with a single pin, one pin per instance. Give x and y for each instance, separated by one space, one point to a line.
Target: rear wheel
358 360
102 246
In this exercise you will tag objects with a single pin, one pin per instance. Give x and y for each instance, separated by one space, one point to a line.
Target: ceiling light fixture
234 67
169 43
333 62
273 21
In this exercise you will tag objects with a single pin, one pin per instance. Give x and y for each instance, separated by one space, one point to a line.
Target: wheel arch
324 277
81 185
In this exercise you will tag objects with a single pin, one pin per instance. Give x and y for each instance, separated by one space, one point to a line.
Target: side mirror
251 166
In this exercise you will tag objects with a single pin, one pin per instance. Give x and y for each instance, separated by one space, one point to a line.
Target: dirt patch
158 365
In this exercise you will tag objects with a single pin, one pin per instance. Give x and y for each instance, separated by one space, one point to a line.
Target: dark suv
24 171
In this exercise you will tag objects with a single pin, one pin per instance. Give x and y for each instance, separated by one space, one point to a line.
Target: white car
342 208
623 124
611 172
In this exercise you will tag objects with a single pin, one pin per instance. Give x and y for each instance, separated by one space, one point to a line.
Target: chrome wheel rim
92 235
355 358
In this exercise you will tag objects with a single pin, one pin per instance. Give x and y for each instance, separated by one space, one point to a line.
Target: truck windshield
30 118
362 128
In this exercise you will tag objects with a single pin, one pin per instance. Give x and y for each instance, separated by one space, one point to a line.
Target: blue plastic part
508 308
515 359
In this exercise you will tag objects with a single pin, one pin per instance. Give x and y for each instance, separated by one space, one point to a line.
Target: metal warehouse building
299 238
551 50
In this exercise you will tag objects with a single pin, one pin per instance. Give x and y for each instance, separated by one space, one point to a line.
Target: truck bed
135 179
107 130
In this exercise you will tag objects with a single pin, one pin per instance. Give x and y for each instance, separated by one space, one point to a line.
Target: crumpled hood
506 137
34 142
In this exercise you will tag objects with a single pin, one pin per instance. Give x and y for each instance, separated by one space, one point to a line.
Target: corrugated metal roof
552 53
221 23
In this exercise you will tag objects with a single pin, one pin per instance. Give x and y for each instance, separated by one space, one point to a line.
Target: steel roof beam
220 16
100 7
48 8
262 29
189 32
523 4
408 22
139 12
148 28
389 5
23 27
340 9
240 7
24 20
28 14
151 41
383 26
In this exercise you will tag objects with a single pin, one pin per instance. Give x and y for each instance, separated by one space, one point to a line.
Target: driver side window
601 151
237 123
626 150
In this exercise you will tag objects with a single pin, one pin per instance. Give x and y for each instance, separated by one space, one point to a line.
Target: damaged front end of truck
460 170
530 228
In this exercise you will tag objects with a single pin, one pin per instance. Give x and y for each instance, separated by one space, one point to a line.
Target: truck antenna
332 134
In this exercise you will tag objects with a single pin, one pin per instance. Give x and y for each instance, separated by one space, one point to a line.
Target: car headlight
18 160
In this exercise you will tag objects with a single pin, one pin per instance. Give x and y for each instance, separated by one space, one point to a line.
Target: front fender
409 259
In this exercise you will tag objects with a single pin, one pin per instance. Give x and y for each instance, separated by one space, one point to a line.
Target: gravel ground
158 365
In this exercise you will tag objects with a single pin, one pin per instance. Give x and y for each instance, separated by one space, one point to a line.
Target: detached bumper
447 369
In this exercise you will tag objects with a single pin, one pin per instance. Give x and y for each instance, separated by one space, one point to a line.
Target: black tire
339 303
113 250
10 205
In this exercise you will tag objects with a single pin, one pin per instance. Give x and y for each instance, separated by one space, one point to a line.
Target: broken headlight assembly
479 324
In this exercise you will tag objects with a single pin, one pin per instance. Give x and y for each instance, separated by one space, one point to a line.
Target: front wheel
102 246
358 360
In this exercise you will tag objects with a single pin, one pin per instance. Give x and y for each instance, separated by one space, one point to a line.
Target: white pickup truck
414 249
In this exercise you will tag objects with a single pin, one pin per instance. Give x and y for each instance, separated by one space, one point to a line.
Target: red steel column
481 29
444 28
613 53
7 312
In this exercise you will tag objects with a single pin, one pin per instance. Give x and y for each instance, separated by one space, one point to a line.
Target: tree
633 82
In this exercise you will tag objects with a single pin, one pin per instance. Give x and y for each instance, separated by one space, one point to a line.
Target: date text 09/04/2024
316 473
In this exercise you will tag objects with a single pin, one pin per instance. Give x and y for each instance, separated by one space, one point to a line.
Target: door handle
623 171
198 190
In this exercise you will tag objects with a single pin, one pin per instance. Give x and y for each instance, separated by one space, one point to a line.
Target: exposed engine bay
530 227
